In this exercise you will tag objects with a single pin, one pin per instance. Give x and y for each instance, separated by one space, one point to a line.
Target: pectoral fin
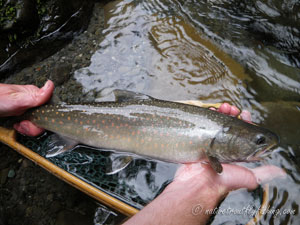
215 164
59 144
118 163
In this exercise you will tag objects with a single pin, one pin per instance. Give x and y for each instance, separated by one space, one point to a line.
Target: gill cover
239 141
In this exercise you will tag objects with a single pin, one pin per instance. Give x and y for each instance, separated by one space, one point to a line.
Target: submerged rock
33 30
287 114
3 175
287 117
61 74
19 17
11 173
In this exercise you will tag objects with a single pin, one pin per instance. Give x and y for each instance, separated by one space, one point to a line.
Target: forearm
179 205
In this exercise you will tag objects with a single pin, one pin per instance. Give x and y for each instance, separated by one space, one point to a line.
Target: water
264 36
243 52
148 50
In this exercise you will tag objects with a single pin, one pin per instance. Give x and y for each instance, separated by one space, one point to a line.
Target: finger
16 99
246 116
229 109
235 177
28 128
264 174
28 96
43 94
225 108
234 111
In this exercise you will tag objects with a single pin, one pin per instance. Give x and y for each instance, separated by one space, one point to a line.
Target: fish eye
260 140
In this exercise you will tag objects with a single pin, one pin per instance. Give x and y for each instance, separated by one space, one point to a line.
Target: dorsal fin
123 96
54 100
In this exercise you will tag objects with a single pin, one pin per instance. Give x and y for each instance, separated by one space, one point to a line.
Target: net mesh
136 185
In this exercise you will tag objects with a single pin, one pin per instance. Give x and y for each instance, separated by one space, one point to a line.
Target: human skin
197 190
16 99
196 187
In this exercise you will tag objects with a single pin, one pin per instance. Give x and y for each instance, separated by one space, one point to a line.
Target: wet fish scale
161 129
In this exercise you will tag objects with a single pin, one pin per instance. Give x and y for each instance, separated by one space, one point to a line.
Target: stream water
242 52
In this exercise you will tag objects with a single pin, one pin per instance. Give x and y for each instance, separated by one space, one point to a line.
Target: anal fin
118 163
59 144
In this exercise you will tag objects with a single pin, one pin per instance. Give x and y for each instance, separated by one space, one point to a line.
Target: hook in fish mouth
261 152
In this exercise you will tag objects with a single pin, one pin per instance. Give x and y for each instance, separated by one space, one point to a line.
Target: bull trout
164 130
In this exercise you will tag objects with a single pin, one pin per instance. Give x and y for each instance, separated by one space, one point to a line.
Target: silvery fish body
163 130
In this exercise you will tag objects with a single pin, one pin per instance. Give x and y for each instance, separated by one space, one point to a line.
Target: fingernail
21 128
246 116
235 108
43 90
46 85
24 128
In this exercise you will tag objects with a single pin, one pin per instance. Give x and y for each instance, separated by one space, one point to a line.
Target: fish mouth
262 152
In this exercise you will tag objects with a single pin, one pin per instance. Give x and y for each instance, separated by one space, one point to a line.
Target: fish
164 130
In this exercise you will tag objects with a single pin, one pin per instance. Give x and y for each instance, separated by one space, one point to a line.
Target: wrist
192 200
189 199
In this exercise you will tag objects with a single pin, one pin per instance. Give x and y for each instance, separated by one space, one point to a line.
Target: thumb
235 177
31 96
15 99
44 93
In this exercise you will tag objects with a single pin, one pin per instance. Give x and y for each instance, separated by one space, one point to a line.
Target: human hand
16 99
212 187
197 188
233 177
232 110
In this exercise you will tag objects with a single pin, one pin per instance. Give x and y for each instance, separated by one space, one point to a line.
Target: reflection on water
263 35
148 49
146 179
192 49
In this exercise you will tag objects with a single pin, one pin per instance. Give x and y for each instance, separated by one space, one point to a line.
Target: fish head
241 141
262 143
